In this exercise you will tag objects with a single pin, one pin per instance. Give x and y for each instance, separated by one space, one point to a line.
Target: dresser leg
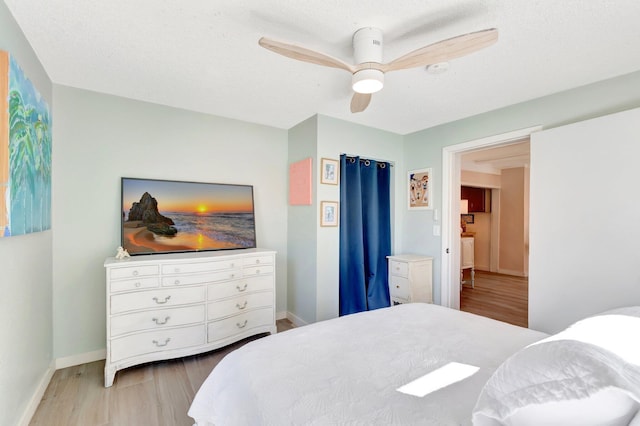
473 277
109 375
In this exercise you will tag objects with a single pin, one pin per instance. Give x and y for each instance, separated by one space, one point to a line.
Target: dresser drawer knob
158 322
257 261
135 273
233 275
137 284
177 270
233 264
166 299
159 345
397 286
176 282
243 325
257 271
242 289
241 307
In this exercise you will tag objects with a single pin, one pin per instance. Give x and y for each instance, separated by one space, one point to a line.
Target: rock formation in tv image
146 211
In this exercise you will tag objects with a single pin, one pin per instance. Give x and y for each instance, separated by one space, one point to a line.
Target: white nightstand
410 278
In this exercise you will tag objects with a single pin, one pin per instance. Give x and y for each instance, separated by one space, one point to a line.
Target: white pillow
588 374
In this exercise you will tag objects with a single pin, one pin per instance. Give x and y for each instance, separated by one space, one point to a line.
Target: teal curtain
365 234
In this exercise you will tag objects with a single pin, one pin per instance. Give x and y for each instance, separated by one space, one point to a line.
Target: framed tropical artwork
25 153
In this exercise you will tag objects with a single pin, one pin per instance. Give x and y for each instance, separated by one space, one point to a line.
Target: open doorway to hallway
494 228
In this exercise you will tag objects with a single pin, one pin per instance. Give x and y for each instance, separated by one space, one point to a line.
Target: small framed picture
329 171
328 213
419 189
467 218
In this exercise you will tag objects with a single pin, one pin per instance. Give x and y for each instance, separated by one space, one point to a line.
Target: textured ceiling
203 55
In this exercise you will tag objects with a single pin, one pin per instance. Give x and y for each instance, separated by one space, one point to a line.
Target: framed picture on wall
419 189
328 213
329 171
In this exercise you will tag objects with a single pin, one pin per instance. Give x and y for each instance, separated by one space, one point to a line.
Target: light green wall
302 245
101 138
337 137
26 340
424 148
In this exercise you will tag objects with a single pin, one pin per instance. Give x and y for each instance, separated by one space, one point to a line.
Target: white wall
25 278
424 148
97 140
584 238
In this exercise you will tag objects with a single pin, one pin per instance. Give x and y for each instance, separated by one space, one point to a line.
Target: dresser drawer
161 298
156 319
400 287
257 260
400 269
134 271
188 268
217 330
239 287
157 341
224 308
257 270
135 284
168 281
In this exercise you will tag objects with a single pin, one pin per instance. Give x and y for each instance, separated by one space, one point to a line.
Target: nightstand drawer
400 269
400 287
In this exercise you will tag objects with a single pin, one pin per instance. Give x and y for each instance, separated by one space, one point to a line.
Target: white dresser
171 305
410 278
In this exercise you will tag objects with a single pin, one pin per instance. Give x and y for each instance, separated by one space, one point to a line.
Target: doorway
451 182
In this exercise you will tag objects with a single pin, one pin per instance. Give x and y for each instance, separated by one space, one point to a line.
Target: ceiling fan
368 72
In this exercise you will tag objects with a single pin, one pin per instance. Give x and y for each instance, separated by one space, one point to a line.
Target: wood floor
497 296
152 394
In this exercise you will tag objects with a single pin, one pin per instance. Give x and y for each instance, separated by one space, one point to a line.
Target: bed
348 371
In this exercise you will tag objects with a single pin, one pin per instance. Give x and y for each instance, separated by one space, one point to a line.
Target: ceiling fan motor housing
367 45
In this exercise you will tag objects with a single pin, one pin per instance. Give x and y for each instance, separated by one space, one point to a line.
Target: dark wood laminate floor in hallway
497 296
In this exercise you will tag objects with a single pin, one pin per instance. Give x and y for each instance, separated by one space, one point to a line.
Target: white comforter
346 370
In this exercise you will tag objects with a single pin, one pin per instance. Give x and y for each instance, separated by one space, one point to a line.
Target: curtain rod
370 159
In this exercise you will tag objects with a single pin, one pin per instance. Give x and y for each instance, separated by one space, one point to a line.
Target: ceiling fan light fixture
367 81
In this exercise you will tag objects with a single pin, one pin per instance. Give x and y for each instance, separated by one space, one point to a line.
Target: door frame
451 160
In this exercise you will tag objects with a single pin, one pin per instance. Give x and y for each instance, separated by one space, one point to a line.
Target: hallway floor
497 296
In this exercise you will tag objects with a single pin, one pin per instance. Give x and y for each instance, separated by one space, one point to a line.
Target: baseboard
32 406
281 315
297 321
70 361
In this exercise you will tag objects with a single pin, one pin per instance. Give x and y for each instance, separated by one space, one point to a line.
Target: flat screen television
162 216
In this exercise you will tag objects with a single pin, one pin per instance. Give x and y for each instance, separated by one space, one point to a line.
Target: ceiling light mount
367 45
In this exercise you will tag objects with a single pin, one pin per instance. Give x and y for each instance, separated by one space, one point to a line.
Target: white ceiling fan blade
444 50
360 102
303 54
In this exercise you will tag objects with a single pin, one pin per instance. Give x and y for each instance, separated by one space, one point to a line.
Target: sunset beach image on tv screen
160 216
